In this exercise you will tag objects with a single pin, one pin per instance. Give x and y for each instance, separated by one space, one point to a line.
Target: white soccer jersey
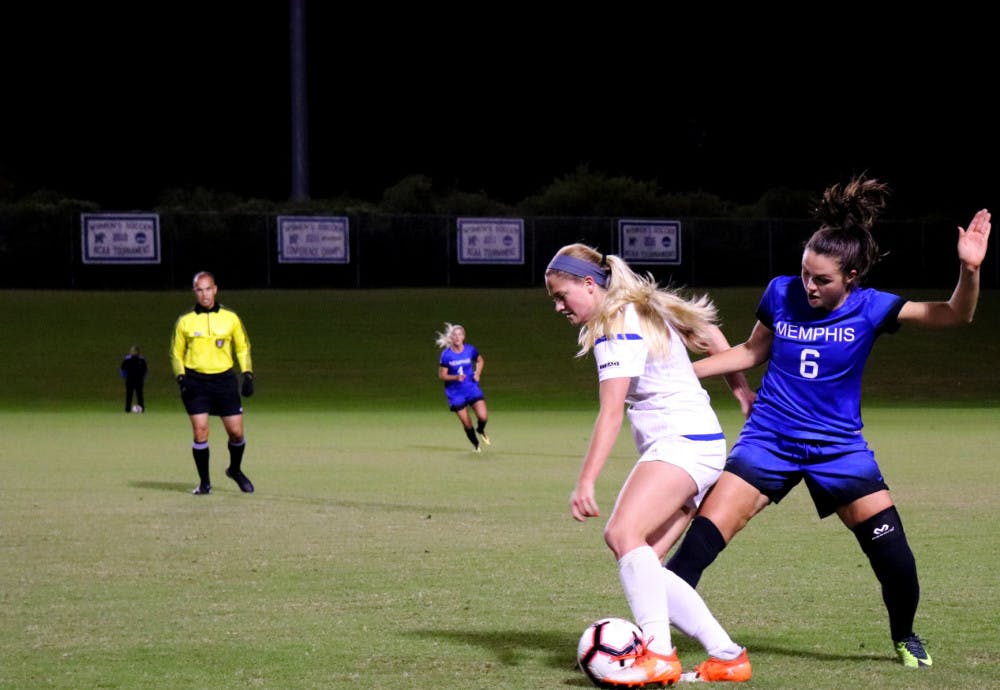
665 398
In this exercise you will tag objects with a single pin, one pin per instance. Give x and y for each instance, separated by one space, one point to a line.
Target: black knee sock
882 539
236 454
482 426
472 436
702 543
200 453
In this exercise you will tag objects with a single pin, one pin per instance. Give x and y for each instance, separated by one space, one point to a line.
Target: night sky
118 103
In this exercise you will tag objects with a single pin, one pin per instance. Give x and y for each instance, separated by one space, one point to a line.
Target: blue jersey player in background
460 367
816 331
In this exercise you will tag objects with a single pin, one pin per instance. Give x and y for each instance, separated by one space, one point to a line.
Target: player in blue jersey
816 331
640 336
460 367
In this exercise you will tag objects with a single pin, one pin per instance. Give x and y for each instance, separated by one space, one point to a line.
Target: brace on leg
700 546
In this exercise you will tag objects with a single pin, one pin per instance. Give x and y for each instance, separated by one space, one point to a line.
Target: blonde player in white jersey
640 335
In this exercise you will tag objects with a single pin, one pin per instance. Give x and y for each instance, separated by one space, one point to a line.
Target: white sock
641 574
690 614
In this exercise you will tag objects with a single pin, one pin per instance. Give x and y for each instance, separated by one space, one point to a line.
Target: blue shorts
215 394
460 397
836 473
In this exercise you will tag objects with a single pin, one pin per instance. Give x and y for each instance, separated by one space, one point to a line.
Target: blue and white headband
579 268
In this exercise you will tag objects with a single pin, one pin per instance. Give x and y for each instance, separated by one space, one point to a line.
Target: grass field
379 552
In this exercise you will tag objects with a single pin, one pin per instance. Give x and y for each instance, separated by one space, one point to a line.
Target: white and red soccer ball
603 644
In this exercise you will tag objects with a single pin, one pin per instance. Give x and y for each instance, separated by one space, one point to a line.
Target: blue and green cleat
912 653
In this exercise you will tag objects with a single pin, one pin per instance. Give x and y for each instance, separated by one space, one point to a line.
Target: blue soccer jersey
464 362
812 386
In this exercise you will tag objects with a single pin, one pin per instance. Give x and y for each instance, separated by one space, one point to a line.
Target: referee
201 355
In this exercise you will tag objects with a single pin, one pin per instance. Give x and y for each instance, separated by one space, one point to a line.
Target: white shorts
703 460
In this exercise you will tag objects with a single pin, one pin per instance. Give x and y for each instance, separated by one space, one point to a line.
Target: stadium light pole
300 120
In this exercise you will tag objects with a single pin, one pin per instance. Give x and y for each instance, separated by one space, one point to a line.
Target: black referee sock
236 454
472 436
200 453
882 539
702 543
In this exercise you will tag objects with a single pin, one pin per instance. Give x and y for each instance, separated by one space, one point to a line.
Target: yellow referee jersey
205 340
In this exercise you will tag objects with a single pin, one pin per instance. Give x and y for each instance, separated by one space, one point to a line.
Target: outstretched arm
961 307
755 351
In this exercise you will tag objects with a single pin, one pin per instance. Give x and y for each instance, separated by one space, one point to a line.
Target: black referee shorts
216 394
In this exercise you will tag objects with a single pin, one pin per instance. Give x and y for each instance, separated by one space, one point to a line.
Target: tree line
580 193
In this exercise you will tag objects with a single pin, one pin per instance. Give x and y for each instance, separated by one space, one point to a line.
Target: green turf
379 552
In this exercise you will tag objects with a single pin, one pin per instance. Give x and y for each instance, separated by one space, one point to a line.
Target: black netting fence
44 249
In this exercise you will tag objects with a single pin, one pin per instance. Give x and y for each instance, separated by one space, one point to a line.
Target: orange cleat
715 670
648 669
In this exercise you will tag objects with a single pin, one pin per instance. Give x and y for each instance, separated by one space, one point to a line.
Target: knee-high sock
641 575
882 539
471 434
236 454
689 613
200 453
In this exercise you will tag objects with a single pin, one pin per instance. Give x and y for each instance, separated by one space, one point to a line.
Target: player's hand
182 384
247 389
582 503
746 399
972 242
460 377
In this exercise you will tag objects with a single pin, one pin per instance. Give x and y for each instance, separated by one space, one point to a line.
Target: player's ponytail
847 214
443 338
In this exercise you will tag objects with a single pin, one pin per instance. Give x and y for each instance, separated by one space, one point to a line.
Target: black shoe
246 486
202 490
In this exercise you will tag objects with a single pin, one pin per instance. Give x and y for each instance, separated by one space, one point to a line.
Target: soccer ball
601 642
137 409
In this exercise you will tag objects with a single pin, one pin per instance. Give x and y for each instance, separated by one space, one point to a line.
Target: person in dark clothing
134 371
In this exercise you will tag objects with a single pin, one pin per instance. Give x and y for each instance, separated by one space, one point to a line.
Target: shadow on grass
516 647
513 647
423 511
164 486
688 646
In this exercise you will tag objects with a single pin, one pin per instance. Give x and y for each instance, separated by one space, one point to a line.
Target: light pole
300 110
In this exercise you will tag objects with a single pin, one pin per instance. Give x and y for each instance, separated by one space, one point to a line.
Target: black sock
702 543
200 453
472 436
236 454
882 539
482 426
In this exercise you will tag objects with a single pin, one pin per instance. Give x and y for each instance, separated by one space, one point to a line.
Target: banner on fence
490 241
120 238
650 241
313 240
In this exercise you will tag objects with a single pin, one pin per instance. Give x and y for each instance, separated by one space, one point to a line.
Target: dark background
115 102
